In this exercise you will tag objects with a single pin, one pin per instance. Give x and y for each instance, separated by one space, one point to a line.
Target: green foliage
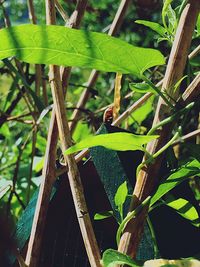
185 209
187 170
198 25
153 26
58 45
120 198
141 87
112 257
114 141
168 13
103 215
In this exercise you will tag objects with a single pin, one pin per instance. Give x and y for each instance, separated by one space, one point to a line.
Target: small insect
108 115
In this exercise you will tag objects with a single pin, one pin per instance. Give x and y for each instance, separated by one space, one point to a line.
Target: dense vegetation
132 66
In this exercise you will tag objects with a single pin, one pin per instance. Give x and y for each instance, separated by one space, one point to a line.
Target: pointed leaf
69 47
112 257
190 169
185 209
121 194
103 215
114 141
198 25
154 26
141 87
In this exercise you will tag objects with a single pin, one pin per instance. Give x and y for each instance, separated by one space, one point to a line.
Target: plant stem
159 92
170 118
156 251
158 153
130 216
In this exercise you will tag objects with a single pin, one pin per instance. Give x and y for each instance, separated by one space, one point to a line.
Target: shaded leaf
58 45
141 113
190 169
141 87
114 141
121 194
154 26
185 209
112 257
81 131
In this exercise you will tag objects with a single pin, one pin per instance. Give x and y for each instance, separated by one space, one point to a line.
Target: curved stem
131 215
155 247
159 92
171 118
160 151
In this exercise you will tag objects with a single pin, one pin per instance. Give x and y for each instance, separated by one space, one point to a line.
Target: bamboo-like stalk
118 19
73 173
61 10
148 176
192 91
48 173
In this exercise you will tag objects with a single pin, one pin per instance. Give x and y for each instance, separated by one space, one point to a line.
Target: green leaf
176 86
121 194
171 14
5 131
142 112
112 257
168 12
185 209
103 215
69 47
198 25
82 131
190 169
154 26
165 8
114 141
141 87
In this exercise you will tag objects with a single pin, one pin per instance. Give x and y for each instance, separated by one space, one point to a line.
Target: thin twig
187 137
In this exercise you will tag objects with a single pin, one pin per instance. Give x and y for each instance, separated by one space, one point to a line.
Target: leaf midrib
64 52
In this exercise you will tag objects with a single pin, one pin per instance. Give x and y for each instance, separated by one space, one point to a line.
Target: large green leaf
190 169
112 257
185 209
115 141
69 47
